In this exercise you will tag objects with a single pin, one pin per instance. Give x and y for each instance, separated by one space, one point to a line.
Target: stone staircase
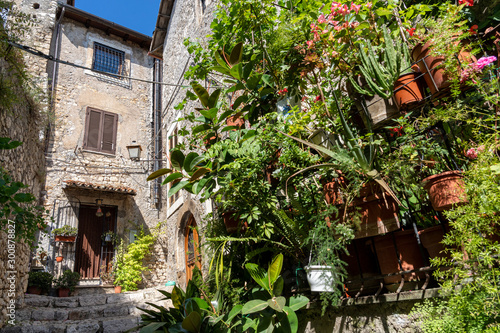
104 313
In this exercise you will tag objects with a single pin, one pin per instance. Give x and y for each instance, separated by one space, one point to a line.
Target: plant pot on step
232 224
118 289
35 290
66 239
59 258
320 278
408 91
408 253
445 190
63 292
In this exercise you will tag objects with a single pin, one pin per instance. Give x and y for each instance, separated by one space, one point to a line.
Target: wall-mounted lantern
98 202
134 151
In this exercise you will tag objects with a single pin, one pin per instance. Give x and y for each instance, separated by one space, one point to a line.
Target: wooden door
191 247
91 251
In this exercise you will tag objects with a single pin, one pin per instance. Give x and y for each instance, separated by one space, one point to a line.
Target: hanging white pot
321 278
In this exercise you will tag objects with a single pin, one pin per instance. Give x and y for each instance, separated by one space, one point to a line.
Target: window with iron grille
109 60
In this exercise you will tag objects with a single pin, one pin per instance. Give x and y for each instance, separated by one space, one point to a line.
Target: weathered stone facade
23 122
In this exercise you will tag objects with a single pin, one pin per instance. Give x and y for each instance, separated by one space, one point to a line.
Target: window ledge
173 208
98 153
123 82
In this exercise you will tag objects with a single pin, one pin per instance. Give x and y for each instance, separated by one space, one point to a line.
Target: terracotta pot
431 240
35 290
359 267
59 258
445 190
378 212
333 190
70 239
235 121
434 75
407 91
409 255
63 292
118 289
232 224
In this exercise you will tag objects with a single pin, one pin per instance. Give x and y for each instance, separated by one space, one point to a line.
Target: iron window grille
108 60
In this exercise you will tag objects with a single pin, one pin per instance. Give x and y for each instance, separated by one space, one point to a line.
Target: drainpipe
157 129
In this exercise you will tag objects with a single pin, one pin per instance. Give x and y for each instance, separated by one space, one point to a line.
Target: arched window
191 248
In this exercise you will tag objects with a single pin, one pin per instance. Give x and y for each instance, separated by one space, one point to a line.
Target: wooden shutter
100 131
92 137
110 122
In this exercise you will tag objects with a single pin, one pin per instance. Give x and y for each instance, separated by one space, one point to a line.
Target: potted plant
109 237
39 282
65 284
65 234
59 258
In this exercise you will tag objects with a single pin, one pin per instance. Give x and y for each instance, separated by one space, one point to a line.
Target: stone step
104 325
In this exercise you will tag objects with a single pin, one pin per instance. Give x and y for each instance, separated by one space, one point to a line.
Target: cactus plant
381 71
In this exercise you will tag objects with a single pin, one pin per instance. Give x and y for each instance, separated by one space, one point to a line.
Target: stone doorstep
105 325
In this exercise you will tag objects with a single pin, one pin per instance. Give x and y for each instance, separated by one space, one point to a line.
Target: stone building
101 104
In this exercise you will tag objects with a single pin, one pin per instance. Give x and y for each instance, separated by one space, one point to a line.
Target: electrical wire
38 53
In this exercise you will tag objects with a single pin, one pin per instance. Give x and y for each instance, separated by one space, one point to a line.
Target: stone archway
191 247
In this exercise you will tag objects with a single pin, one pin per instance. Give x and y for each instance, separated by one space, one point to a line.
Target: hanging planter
408 91
59 258
320 278
445 190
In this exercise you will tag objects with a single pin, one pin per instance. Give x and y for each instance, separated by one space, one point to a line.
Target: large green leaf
237 71
158 173
239 100
199 173
220 58
177 187
177 159
265 325
198 186
151 328
278 286
172 177
253 81
196 161
234 311
190 305
200 128
177 297
254 306
258 274
188 161
287 321
209 114
201 92
192 323
176 328
277 303
274 269
214 97
236 54
297 302
220 69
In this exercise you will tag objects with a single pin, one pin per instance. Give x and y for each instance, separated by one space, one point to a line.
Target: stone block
23 314
84 327
66 302
43 314
85 313
137 297
118 298
36 329
117 310
92 300
38 301
60 315
119 325
11 329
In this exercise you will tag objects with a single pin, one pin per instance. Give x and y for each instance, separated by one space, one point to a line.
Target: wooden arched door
191 248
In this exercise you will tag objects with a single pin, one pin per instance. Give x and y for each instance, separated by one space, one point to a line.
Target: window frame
101 131
175 201
100 47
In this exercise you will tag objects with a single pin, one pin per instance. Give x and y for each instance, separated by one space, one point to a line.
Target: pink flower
321 19
310 44
483 62
369 5
355 8
344 10
471 153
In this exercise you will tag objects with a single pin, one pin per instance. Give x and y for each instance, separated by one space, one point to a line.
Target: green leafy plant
65 230
43 280
129 267
68 280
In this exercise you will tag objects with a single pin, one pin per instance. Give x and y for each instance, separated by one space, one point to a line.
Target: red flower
411 31
467 3
473 29
317 98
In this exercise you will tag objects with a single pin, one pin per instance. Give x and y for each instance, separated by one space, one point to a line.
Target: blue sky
134 14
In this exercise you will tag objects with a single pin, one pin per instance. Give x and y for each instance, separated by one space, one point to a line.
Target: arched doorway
191 248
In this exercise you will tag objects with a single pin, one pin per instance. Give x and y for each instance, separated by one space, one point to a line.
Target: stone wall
23 122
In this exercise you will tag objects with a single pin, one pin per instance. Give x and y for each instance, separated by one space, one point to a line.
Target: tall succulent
381 71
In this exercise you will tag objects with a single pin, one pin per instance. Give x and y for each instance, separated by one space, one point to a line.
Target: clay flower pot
431 240
59 258
69 239
445 190
118 289
63 292
35 290
407 91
